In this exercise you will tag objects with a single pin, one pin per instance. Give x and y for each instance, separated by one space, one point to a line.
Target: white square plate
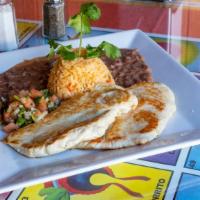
18 171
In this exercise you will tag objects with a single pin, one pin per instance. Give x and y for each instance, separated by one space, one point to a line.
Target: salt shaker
8 31
53 19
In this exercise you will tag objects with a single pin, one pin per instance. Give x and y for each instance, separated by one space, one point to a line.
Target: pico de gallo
27 107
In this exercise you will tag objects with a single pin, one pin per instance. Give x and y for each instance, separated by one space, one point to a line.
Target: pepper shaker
53 19
8 30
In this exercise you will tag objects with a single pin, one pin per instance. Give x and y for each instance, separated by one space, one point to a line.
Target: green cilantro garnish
91 11
21 111
81 23
37 100
53 44
110 50
21 121
46 93
51 52
66 52
93 51
16 97
106 48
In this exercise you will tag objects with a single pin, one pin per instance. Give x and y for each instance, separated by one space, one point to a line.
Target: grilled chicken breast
80 118
156 104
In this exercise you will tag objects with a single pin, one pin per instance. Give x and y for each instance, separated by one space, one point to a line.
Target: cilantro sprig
106 48
66 52
81 23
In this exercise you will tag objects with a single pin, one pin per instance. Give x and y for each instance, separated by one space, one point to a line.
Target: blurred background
163 17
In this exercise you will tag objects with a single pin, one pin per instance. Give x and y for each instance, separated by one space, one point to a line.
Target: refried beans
129 69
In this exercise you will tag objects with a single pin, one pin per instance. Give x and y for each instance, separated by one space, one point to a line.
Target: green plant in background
52 193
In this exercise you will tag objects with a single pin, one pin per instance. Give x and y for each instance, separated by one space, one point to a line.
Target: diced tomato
10 127
37 113
42 106
53 98
35 93
7 116
27 102
12 106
